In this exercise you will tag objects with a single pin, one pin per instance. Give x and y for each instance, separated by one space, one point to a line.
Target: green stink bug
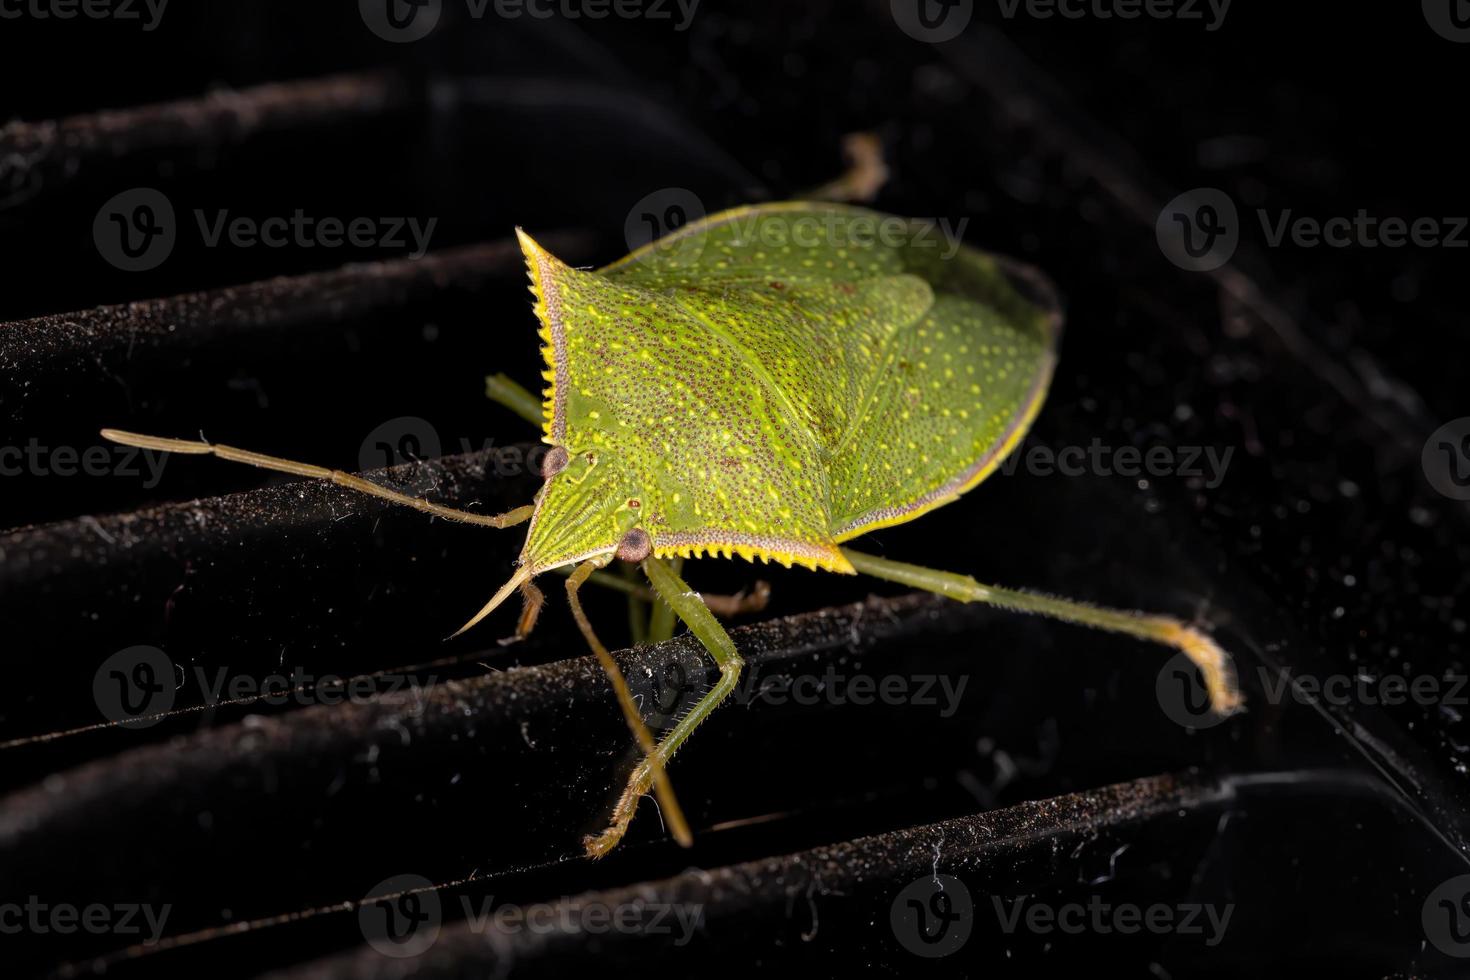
769 382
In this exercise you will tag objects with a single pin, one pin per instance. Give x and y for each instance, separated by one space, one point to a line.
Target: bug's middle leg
688 606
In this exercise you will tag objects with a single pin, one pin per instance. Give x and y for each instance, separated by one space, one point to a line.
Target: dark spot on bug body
635 546
556 460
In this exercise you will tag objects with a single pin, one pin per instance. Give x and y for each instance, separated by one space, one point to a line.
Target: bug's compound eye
591 458
635 546
555 462
634 503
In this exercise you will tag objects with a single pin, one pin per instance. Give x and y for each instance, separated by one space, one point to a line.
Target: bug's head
589 507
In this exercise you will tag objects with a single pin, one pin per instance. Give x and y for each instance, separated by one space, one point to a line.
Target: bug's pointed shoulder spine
539 263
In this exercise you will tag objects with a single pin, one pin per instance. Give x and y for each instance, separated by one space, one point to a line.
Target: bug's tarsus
533 599
746 601
1214 663
199 448
652 763
866 174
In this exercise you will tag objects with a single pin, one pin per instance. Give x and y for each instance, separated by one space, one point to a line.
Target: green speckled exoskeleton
770 382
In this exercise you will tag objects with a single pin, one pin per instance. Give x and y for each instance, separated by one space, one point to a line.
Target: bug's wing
920 406
958 392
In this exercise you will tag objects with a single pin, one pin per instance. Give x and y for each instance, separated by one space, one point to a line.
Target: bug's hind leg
702 623
508 519
652 764
1213 662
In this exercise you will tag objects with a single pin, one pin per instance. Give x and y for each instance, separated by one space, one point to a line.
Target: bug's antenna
193 448
523 574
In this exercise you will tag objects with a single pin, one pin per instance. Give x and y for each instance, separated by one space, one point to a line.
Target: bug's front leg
652 763
689 607
1213 662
